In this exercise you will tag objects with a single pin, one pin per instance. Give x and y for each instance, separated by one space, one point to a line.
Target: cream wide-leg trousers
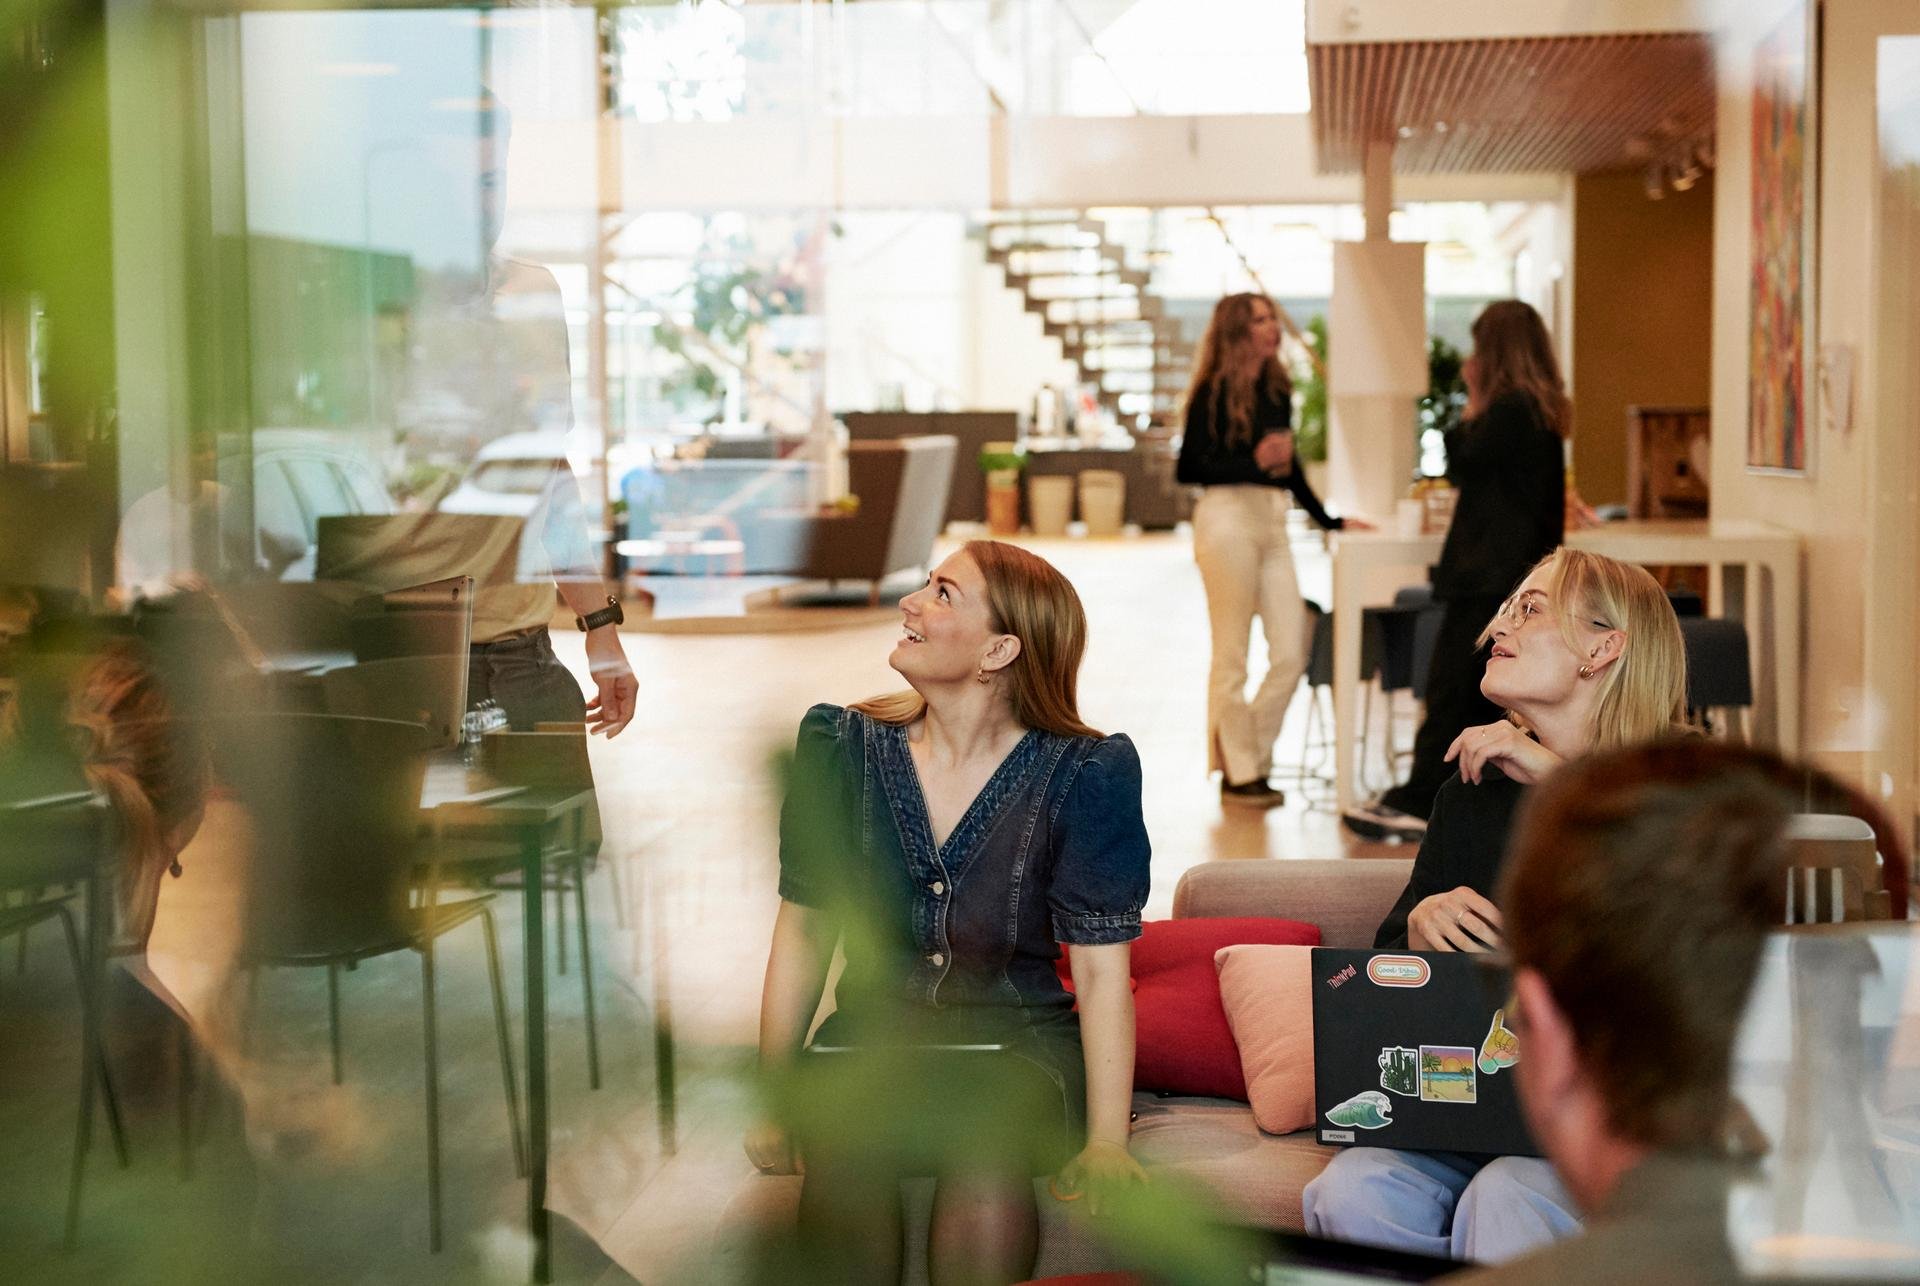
1240 544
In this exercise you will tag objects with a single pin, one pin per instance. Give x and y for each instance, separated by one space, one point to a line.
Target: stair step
1180 369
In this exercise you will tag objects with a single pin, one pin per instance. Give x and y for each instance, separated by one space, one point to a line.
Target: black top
1511 508
1207 459
1466 844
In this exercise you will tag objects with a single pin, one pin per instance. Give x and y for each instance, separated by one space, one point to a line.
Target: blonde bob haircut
1028 598
1643 694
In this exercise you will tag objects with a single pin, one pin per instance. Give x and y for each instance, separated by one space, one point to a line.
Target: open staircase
1087 296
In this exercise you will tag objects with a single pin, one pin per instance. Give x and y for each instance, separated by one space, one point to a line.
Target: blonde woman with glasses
1585 656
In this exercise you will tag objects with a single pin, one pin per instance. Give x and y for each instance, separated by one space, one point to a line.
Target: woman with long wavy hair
1238 445
1507 462
952 838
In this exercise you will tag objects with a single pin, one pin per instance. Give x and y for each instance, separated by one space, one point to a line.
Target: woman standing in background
1507 462
1238 445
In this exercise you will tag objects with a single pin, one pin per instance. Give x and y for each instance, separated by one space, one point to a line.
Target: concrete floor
304 1180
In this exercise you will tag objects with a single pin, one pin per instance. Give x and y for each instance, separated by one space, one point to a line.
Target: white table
1773 631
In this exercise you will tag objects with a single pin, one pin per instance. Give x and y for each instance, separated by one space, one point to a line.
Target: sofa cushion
1347 897
1268 996
1182 1044
1212 1148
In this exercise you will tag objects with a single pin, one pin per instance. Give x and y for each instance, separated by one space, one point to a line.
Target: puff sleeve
814 831
1101 851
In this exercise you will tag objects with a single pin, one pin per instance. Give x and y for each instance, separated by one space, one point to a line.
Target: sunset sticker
1446 1074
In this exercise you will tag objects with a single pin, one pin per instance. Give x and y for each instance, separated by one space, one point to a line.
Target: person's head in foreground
1638 891
993 623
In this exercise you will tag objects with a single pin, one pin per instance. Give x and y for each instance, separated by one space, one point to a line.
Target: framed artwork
1780 409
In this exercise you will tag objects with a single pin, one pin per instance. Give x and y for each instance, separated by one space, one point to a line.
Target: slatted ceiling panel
1575 103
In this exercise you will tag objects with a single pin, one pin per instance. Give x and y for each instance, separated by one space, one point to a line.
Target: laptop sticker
1446 1074
1400 1070
1398 971
1367 1110
1501 1048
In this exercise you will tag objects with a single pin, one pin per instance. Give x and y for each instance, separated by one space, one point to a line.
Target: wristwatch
608 615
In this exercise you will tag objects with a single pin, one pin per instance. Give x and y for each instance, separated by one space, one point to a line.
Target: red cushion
1182 1043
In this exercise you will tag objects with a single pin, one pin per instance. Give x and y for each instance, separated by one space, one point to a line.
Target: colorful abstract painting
1778 408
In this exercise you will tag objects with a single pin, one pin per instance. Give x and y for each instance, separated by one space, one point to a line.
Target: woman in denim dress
952 837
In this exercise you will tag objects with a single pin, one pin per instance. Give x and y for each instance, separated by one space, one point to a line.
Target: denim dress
958 942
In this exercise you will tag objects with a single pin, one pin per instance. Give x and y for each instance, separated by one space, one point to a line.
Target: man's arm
611 708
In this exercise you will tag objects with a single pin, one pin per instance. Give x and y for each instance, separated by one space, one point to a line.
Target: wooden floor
689 807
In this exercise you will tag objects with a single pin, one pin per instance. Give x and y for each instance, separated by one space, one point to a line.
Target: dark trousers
523 676
1454 703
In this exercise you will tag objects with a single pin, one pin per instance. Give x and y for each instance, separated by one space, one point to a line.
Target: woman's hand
1519 756
770 1148
1274 453
1102 1169
1458 920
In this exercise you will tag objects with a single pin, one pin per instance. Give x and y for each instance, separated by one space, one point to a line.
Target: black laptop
1412 1049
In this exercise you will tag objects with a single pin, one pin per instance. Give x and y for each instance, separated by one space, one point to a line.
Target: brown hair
1643 694
1514 354
1219 374
149 764
1640 887
1028 598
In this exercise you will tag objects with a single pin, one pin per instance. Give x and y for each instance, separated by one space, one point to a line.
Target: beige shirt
513 589
501 355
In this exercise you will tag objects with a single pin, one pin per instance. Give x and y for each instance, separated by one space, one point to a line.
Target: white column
1377 355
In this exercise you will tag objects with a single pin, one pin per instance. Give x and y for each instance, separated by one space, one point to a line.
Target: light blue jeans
1445 1204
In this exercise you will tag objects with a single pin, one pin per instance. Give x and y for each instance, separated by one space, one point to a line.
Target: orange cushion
1267 992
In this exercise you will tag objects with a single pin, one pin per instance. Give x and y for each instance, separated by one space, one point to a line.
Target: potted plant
1002 463
1310 423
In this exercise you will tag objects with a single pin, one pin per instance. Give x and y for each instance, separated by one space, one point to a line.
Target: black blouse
1510 507
1209 459
1466 844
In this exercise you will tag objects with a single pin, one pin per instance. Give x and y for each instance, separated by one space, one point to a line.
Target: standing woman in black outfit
1239 446
1507 463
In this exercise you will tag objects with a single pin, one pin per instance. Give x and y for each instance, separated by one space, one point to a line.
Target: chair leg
619 892
560 927
586 972
116 1128
333 1022
431 1023
1366 727
505 1035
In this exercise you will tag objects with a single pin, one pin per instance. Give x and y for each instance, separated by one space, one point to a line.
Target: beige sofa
1208 1146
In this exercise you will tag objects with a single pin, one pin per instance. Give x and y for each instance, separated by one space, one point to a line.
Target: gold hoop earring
983 676
1586 672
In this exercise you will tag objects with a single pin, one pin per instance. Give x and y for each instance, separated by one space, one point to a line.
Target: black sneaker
1376 821
1253 794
